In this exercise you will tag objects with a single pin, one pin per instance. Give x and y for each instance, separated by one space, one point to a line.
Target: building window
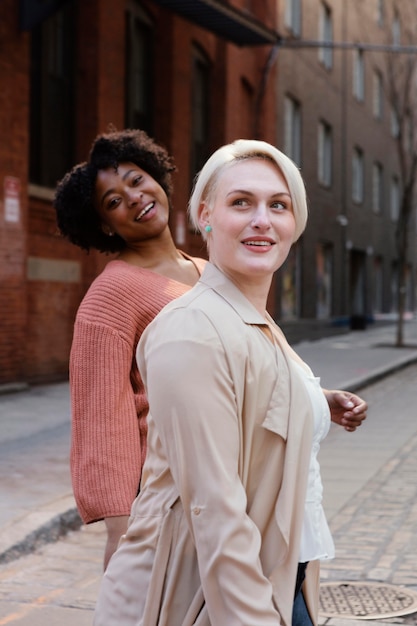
200 110
380 13
247 106
394 286
290 285
324 265
378 95
409 289
292 130
293 16
377 188
325 154
396 30
378 281
395 199
395 124
139 70
326 35
359 75
52 88
408 134
358 176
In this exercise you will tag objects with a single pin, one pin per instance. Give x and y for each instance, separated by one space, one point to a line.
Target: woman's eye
136 180
280 206
239 202
113 203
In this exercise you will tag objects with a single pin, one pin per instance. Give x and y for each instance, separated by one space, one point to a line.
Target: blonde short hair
241 149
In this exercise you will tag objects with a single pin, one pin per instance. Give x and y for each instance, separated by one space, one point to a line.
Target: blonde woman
229 518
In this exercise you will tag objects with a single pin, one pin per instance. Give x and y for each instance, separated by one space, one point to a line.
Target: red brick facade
14 113
43 278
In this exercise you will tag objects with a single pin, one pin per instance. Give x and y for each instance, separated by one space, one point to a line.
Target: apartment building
336 120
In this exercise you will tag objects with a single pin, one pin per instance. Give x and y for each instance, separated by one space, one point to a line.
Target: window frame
326 34
201 70
293 16
52 98
292 129
137 42
395 198
378 95
358 175
325 154
377 187
359 75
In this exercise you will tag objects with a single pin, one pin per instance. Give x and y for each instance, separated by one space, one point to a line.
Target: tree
402 96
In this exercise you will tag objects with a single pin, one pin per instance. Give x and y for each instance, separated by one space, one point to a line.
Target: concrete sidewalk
382 454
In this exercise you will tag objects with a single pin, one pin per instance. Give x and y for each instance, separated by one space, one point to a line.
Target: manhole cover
365 600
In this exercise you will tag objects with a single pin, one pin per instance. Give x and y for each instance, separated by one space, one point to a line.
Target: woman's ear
106 229
203 216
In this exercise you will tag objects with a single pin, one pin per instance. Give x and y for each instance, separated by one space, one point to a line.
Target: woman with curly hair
117 202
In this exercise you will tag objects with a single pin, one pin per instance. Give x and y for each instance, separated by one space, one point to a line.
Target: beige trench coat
213 538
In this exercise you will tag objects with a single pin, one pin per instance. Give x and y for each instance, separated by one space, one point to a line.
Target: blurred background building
196 74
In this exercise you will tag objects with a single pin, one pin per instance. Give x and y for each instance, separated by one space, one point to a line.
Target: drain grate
358 600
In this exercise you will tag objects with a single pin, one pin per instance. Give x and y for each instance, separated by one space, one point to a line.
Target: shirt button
196 510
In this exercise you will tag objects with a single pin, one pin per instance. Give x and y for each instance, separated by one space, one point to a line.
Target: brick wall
42 277
13 181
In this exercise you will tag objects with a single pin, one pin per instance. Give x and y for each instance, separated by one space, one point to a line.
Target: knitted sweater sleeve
106 449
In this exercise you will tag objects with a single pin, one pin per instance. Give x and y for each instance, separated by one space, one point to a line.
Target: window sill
41 193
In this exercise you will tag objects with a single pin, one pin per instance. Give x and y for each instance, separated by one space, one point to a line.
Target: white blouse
316 539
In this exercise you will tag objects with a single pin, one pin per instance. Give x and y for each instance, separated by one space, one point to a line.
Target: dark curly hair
77 217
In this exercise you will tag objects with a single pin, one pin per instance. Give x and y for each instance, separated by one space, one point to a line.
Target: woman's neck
161 257
255 290
151 253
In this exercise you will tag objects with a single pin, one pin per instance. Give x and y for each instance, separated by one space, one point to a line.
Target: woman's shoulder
120 290
118 281
127 295
200 315
199 262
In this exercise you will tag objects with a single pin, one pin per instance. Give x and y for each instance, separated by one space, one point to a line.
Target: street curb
47 525
13 387
356 384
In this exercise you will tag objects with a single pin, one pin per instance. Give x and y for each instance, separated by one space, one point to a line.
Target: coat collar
215 279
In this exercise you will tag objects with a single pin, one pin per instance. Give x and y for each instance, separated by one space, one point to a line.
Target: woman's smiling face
131 203
252 220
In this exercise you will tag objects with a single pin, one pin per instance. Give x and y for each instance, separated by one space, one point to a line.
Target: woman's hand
116 527
346 409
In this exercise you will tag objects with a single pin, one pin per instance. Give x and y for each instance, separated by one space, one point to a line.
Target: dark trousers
300 615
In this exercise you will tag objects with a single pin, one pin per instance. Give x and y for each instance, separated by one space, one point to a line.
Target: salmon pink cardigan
108 402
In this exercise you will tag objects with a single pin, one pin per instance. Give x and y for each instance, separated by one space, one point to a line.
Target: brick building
336 121
191 74
196 75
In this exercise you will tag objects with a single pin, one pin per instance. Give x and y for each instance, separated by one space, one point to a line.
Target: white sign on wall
11 199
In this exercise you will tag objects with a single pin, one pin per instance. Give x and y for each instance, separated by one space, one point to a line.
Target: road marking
9 619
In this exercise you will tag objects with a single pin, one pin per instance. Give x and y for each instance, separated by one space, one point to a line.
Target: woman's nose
261 218
134 197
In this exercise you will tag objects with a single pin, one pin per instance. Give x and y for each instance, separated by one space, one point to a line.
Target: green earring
208 228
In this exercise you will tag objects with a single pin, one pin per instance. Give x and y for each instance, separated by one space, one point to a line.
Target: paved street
369 477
